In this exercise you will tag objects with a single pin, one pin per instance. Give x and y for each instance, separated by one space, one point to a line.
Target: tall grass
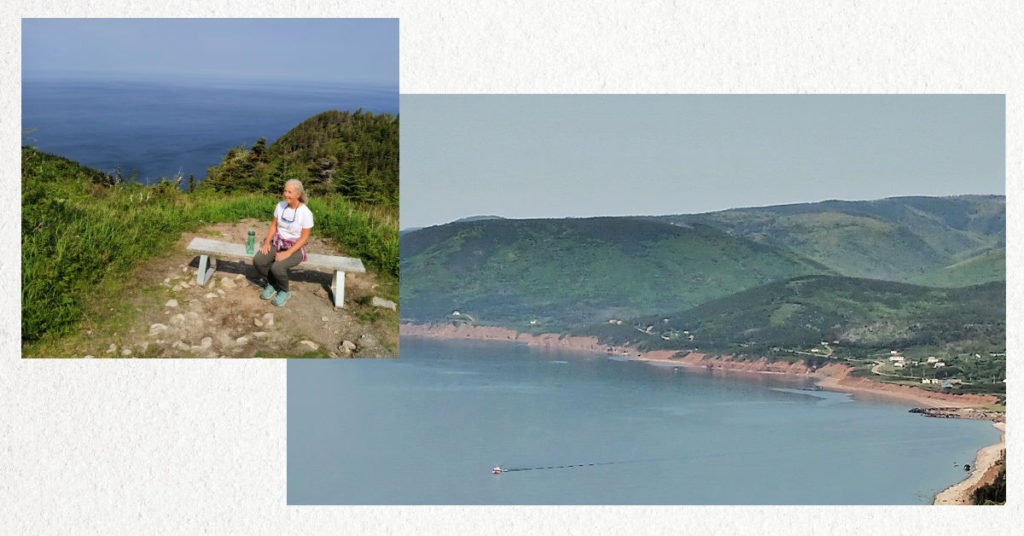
370 232
76 231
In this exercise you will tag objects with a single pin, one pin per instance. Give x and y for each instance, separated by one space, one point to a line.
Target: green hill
352 154
550 274
802 312
989 265
897 239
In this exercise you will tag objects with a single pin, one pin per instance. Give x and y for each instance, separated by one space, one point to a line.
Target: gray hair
298 186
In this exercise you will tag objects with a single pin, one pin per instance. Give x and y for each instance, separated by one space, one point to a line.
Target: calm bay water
161 128
427 429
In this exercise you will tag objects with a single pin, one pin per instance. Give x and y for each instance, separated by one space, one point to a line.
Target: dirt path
226 318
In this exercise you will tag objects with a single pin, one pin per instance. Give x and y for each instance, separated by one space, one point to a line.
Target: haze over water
161 128
428 427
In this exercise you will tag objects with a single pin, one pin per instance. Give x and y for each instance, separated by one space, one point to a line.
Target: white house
940 364
932 359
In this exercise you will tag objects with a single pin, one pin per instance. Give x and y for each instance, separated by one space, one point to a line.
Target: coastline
832 377
984 471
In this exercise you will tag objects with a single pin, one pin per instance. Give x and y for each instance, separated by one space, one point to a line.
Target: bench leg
339 288
204 274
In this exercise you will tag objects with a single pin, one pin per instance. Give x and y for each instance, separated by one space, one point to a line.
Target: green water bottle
250 245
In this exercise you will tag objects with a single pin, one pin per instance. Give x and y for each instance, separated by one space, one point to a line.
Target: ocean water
160 129
575 428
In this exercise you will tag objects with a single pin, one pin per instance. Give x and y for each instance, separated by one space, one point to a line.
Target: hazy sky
529 156
363 51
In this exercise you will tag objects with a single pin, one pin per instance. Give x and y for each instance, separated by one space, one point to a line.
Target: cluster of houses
825 344
899 361
950 382
669 335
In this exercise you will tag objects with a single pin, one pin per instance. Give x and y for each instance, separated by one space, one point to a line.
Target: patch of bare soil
226 318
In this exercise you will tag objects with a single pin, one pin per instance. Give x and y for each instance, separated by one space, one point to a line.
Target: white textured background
184 447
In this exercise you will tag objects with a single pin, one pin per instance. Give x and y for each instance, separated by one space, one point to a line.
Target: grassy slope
806 310
77 233
575 271
989 265
900 239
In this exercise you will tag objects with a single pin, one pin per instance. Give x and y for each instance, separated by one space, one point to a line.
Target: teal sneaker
282 298
268 292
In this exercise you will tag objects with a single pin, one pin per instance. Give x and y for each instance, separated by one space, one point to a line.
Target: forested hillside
898 239
803 311
351 154
551 274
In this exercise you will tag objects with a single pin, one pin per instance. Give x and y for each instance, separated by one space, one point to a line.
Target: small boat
496 470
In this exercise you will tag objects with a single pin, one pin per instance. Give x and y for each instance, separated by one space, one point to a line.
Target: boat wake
499 469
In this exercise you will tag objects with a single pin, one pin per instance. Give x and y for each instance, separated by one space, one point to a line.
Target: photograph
209 188
681 300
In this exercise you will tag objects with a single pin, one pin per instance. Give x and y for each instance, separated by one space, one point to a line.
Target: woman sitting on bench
289 232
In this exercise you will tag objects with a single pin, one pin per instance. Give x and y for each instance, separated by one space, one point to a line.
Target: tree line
354 154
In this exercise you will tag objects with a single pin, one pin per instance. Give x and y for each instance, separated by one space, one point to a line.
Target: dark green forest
345 153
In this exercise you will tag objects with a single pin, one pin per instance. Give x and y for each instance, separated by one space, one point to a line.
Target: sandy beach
984 471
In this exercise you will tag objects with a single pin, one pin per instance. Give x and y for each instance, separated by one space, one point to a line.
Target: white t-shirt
291 222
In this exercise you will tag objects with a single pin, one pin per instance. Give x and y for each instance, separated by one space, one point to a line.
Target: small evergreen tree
259 150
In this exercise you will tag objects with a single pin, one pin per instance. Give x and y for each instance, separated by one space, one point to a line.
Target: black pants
276 272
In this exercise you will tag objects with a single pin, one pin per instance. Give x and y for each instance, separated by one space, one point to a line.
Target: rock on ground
381 302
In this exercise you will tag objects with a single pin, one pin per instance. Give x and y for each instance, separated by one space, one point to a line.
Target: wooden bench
209 250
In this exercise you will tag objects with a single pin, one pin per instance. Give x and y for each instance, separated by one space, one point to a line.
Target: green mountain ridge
897 239
551 274
774 282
